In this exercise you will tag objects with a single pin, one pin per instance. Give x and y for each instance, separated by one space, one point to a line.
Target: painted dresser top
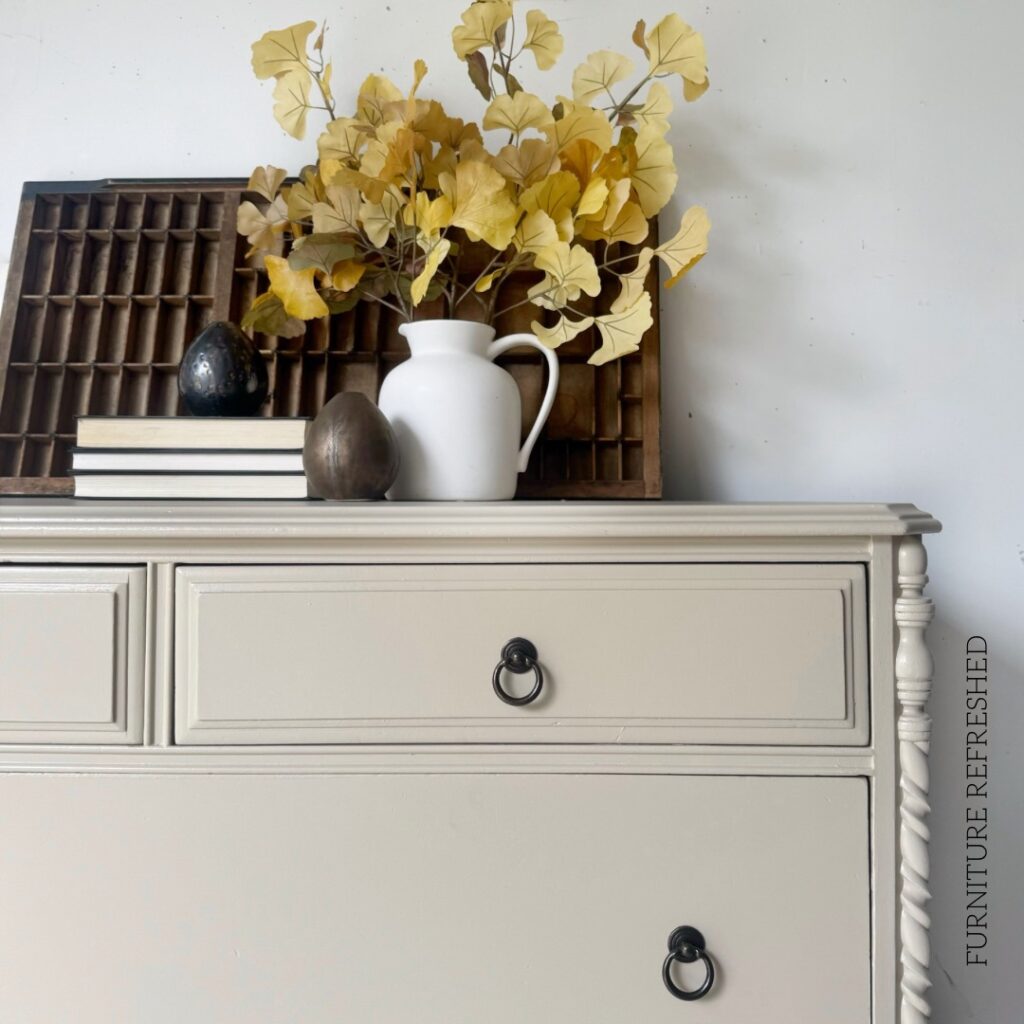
22 518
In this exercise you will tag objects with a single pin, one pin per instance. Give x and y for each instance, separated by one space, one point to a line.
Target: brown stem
483 273
328 103
619 107
391 306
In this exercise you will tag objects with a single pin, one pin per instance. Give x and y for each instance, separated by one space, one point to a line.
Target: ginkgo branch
532 299
471 289
619 107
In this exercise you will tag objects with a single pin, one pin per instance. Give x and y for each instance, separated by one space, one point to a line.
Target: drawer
71 654
629 653
478 898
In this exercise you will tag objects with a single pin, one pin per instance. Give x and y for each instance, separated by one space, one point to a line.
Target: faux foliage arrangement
400 190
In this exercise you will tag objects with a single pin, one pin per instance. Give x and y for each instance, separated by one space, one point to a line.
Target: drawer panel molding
630 653
72 642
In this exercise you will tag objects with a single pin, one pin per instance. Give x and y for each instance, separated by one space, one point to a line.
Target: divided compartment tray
110 281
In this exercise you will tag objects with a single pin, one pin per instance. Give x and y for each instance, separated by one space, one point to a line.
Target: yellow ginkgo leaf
452 131
614 164
347 275
282 52
634 283
580 122
580 158
472 149
291 103
656 108
325 81
266 181
618 196
321 252
639 31
327 220
594 197
622 332
427 117
654 176
392 131
419 72
340 213
694 90
262 228
267 316
536 231
528 163
428 216
388 161
570 270
343 139
517 113
442 162
678 49
557 195
302 196
378 219
372 188
563 331
435 258
594 79
687 247
481 203
629 226
376 92
480 23
328 169
485 282
543 39
295 288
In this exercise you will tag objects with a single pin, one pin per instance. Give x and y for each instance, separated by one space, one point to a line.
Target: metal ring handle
518 656
686 945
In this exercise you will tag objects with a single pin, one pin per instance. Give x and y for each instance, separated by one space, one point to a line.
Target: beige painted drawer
432 898
71 654
638 653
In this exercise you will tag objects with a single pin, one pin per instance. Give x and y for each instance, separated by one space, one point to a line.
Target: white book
115 460
241 432
210 485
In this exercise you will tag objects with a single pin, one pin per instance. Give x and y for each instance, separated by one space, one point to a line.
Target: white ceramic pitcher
457 416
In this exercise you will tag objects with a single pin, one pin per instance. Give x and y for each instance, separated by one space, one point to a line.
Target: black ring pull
518 656
686 945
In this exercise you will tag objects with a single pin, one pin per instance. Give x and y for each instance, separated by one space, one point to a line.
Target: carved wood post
914 672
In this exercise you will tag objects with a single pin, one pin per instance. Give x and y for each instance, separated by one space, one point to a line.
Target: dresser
463 764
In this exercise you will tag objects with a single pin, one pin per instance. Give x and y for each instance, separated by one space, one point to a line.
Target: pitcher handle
494 350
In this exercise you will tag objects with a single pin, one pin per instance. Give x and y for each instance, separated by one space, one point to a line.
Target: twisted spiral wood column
914 673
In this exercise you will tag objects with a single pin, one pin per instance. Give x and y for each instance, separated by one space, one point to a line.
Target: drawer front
629 653
479 898
71 654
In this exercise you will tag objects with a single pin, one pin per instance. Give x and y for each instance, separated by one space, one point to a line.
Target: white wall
856 333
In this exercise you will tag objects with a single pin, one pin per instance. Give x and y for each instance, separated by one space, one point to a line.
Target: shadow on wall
750 307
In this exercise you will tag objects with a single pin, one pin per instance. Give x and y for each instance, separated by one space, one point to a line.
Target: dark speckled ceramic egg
223 373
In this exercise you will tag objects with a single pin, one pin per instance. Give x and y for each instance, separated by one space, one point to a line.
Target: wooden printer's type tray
110 281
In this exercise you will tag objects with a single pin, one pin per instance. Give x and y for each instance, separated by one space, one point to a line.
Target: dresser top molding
67 518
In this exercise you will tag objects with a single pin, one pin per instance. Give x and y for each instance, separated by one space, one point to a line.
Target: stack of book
182 457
